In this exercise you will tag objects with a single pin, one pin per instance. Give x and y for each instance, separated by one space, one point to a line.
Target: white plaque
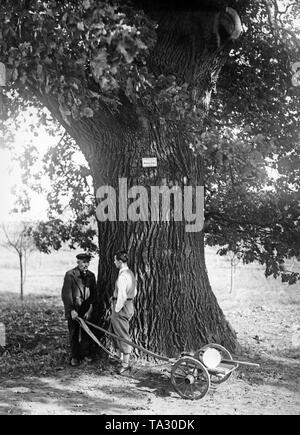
149 162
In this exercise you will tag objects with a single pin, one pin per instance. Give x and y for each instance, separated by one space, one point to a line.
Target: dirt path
272 389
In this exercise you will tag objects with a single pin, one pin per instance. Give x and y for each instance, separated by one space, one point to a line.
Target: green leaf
15 74
88 112
80 26
86 4
98 64
121 48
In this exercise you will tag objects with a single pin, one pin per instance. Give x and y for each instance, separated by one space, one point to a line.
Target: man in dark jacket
79 295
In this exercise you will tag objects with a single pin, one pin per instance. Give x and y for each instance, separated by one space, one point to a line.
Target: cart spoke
199 387
185 390
192 390
184 369
181 383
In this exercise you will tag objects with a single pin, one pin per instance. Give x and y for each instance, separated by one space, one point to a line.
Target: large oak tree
134 79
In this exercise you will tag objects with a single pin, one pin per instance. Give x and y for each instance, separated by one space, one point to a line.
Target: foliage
71 201
66 48
248 212
93 55
253 142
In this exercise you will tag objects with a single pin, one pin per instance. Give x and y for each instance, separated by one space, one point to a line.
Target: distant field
250 286
45 275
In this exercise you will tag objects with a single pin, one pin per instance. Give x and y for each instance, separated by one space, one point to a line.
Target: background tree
127 83
17 239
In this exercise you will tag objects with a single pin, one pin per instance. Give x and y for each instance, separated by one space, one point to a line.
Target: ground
36 379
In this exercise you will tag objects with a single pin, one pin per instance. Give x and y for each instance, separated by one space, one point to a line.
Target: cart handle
148 352
242 363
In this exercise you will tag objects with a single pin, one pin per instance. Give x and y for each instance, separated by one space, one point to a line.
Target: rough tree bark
176 309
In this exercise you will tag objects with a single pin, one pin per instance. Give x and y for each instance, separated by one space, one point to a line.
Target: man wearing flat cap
79 295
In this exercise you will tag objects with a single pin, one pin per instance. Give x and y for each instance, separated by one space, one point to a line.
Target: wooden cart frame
190 376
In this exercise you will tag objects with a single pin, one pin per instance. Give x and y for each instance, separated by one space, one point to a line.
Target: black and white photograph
149 210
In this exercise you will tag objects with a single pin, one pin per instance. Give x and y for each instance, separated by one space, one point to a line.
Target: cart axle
189 380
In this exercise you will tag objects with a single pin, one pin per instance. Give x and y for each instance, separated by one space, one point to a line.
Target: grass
45 273
36 335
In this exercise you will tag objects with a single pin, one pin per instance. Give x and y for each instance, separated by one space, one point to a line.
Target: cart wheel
190 378
225 354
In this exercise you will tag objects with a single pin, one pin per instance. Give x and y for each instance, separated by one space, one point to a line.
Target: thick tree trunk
176 309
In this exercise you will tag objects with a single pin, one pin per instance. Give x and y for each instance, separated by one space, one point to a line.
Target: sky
10 171
10 176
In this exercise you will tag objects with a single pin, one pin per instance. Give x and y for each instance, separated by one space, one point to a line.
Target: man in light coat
122 307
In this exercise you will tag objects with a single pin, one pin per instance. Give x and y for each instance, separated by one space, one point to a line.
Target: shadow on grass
157 383
63 394
282 372
96 389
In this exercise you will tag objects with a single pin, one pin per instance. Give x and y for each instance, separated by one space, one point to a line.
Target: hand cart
193 373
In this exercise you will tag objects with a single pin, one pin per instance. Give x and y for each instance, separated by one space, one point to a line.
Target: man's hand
88 314
74 314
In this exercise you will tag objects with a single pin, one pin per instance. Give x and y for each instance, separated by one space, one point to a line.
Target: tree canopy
92 55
